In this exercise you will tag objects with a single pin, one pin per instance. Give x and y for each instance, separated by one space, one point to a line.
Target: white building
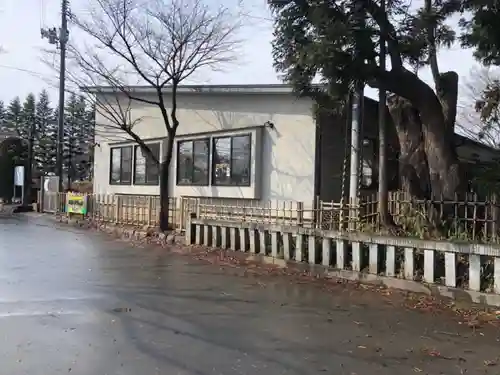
257 142
248 142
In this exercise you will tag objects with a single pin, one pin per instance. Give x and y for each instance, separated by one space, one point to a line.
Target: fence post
190 228
42 193
117 209
300 213
197 207
150 209
181 218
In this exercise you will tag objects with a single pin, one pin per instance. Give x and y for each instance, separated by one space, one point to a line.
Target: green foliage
78 139
481 30
45 135
18 118
13 152
13 123
337 41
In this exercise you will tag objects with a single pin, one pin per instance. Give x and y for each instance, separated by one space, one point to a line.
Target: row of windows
231 161
145 169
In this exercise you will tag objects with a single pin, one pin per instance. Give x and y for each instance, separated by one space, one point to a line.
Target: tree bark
164 185
445 174
413 167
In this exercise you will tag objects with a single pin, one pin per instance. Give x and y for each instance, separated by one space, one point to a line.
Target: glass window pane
222 161
126 172
200 162
152 169
185 162
115 165
140 166
240 157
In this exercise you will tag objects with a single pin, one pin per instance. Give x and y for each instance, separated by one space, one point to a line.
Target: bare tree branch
470 121
160 42
156 43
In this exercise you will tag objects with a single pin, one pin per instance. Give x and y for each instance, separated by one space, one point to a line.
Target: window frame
131 163
134 163
177 169
231 137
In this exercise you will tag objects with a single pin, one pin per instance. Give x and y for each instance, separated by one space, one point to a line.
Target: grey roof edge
198 89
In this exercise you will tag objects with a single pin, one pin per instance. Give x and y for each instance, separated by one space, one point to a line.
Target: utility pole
29 167
60 39
383 194
356 131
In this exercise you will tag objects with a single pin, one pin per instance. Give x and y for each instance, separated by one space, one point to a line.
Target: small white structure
248 142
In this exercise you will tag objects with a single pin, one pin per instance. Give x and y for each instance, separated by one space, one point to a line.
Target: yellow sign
76 204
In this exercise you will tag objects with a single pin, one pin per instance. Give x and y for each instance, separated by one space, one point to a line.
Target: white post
373 255
326 256
356 256
474 272
341 246
390 261
409 263
450 269
429 266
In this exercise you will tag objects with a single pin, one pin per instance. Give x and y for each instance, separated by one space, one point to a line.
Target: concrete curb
135 233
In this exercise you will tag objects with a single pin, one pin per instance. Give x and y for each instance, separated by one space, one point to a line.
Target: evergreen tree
78 136
13 119
338 41
2 117
46 135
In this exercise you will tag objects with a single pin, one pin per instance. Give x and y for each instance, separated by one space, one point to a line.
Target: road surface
78 302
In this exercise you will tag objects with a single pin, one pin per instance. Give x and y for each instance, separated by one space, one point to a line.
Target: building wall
282 155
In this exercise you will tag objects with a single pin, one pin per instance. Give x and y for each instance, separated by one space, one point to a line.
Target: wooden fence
473 219
121 209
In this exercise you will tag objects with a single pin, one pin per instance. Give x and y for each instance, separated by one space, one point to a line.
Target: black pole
28 180
383 194
63 35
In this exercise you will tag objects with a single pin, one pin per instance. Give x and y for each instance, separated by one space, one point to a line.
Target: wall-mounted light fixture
269 124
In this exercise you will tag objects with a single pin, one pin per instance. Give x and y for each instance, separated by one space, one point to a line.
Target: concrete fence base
431 267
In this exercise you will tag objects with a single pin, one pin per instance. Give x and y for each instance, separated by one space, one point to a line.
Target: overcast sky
21 70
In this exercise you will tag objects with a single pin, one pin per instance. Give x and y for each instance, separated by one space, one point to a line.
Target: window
192 162
121 166
146 169
231 160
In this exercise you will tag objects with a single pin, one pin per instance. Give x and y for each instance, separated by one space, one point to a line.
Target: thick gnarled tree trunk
413 169
444 172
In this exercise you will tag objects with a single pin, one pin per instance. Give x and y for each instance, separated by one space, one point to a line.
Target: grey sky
20 22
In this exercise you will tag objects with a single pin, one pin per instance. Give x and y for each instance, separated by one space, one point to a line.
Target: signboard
76 204
19 175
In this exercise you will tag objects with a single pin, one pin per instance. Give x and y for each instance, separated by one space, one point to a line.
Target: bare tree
160 44
471 121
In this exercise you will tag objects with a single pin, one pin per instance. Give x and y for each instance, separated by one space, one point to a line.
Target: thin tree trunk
164 185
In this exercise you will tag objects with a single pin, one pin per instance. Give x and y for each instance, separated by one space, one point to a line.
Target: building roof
200 89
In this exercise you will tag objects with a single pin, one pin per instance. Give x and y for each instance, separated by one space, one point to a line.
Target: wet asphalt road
79 302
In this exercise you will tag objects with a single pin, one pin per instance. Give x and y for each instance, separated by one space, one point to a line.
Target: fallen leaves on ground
472 315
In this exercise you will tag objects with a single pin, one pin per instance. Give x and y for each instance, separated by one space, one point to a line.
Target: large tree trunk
413 168
445 175
164 183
